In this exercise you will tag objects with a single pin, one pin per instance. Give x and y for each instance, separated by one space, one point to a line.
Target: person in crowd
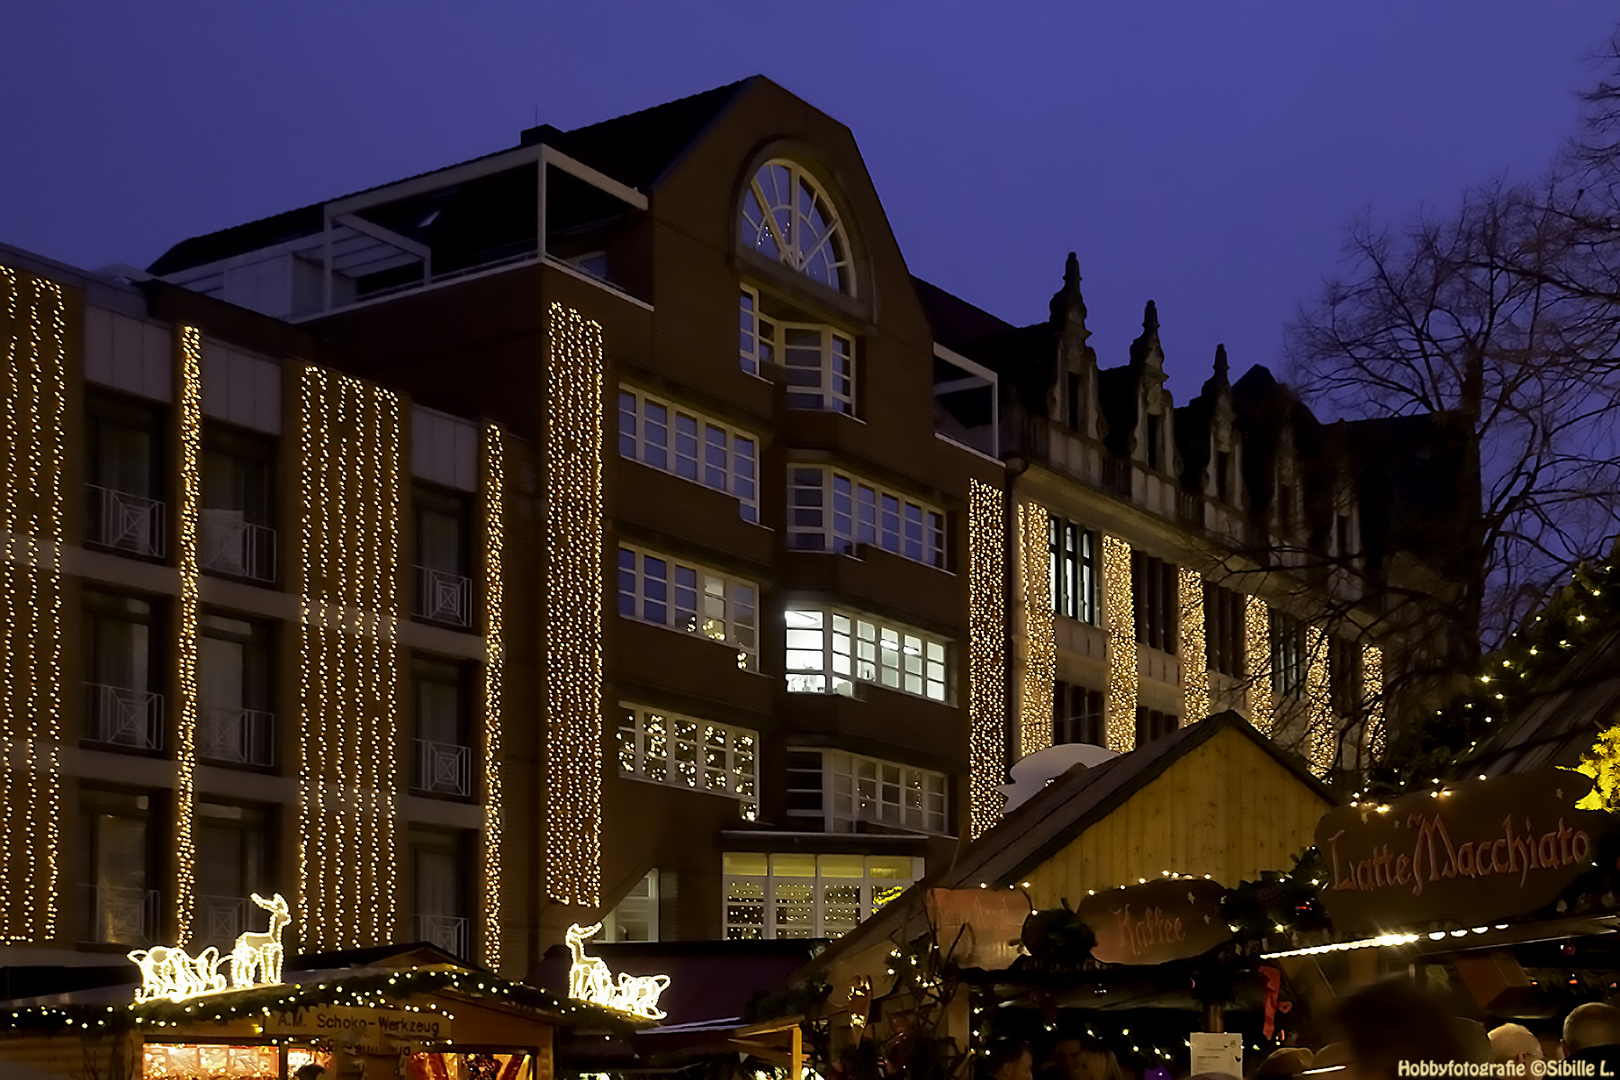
1335 1055
1592 1034
1393 1021
1083 1059
1009 1060
1515 1045
1285 1061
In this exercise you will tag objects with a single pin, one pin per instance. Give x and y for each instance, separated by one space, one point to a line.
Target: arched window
788 217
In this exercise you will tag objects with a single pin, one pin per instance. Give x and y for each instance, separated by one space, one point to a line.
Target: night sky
1207 155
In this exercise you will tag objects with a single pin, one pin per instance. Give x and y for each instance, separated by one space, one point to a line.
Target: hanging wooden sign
1474 853
1156 922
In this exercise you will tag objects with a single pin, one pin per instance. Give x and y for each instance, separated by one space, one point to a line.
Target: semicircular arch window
787 216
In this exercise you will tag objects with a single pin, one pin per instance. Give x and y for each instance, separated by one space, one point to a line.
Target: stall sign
980 928
1156 922
377 1031
1472 853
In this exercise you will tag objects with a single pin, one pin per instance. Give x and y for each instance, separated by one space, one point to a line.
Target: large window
443 585
1287 655
1156 593
118 869
1152 724
685 597
1073 552
1077 715
838 790
635 918
234 678
441 873
1344 676
125 474
829 510
679 751
818 361
238 509
676 440
121 668
829 650
233 849
809 896
442 758
1225 630
787 216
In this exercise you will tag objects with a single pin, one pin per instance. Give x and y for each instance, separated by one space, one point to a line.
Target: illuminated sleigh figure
590 980
256 958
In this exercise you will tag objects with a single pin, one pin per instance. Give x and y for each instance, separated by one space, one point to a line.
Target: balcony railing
443 597
238 736
443 768
446 932
220 919
132 523
237 548
1117 475
121 916
1190 508
119 716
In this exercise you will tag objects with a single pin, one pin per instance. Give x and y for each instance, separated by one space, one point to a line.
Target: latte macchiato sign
1479 851
1157 922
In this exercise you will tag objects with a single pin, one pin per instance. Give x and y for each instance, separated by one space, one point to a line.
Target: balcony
442 768
446 932
238 736
1190 508
125 522
235 548
443 597
220 919
1117 475
118 716
121 916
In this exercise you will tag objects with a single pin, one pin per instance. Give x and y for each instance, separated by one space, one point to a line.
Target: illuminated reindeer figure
256 958
588 977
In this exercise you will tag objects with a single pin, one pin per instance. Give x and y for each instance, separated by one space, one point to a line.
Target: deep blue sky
1204 154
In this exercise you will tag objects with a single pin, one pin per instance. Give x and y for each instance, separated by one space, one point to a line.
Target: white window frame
833 510
781 230
660 747
853 788
759 906
820 375
756 334
685 443
829 649
643 896
721 607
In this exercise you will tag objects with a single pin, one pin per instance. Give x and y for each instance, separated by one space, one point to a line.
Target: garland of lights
987 686
1372 692
1194 650
573 609
494 662
1321 747
348 660
34 330
185 795
1257 662
1119 616
1040 668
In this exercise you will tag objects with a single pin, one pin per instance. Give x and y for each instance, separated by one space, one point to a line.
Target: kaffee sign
1155 923
1473 853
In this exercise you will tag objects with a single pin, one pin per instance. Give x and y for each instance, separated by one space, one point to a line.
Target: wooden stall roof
1559 724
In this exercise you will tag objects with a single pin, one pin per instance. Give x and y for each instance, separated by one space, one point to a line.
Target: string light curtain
348 661
987 640
33 387
1040 667
1194 653
1119 615
1320 744
573 609
494 513
1372 689
185 794
1257 661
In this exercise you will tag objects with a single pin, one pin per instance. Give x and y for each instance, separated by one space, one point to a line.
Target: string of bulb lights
1194 655
987 687
185 794
1320 743
1257 661
494 488
1372 692
573 631
1119 618
1040 668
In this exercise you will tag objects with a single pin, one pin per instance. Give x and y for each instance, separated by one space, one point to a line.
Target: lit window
809 896
636 916
787 216
829 510
689 445
837 790
1287 655
829 650
1073 556
1077 715
679 751
1156 592
691 599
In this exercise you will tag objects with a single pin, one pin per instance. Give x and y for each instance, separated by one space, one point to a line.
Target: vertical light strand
1040 633
1119 614
1194 652
1372 694
308 922
573 609
185 794
494 488
1320 745
987 665
392 732
1257 661
34 331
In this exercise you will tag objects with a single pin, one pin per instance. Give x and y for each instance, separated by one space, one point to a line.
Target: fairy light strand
185 795
1194 652
494 662
1372 689
1119 615
1040 668
1320 745
573 608
1257 661
987 637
